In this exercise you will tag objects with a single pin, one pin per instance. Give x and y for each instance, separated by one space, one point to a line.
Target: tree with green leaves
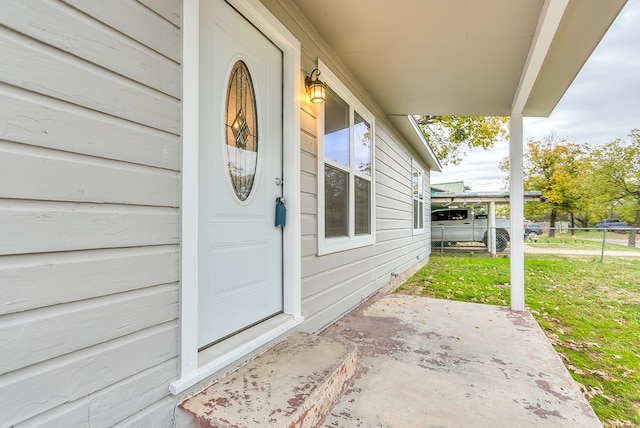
616 170
557 168
450 136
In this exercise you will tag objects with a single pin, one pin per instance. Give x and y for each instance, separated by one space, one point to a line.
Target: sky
601 105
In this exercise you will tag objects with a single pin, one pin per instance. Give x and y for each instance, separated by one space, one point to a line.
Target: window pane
417 184
439 216
241 131
336 128
362 144
336 202
458 215
418 201
363 206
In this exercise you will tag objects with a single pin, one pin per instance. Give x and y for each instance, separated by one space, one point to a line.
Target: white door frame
191 370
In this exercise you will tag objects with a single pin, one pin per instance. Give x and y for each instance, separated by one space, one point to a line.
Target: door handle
281 212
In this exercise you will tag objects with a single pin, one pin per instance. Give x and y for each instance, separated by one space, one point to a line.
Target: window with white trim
345 169
417 191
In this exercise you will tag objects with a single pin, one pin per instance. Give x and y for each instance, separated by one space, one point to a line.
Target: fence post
604 239
441 241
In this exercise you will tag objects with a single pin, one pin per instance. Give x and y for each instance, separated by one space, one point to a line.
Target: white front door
240 280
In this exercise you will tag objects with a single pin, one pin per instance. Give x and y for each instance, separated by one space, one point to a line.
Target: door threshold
242 339
232 351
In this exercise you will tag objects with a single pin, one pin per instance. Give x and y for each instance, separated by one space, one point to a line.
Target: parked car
532 228
614 224
452 225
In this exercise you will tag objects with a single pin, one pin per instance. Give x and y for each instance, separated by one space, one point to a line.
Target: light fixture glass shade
317 92
315 88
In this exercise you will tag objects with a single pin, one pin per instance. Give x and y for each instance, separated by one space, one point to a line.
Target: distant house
171 201
453 187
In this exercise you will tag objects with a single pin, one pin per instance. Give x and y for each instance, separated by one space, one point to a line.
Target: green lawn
589 310
587 240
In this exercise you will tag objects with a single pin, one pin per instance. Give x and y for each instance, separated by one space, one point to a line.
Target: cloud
603 103
479 169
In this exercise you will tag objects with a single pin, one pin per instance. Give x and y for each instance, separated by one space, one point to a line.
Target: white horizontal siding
309 225
315 265
29 172
324 308
107 407
308 127
159 415
309 165
326 297
84 324
309 249
139 22
386 224
335 308
90 155
391 235
308 183
374 262
31 65
37 227
395 194
400 212
92 40
169 10
46 122
29 392
37 280
333 282
386 203
395 172
309 203
74 414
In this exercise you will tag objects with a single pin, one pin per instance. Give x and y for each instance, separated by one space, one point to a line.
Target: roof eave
410 130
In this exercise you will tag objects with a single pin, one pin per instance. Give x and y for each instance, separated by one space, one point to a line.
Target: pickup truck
452 225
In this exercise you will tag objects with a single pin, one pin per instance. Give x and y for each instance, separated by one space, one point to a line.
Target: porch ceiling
465 57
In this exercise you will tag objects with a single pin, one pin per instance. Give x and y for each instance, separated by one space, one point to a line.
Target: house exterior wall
89 209
333 284
90 158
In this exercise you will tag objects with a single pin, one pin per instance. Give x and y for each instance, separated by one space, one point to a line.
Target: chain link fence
561 240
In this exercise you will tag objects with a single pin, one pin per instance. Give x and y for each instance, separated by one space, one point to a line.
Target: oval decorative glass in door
241 131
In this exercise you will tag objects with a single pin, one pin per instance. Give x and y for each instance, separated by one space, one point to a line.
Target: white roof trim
550 18
437 166
499 197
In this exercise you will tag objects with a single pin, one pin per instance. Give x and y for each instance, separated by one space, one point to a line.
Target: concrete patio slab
434 363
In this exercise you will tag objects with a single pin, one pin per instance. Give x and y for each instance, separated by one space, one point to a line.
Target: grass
590 312
587 240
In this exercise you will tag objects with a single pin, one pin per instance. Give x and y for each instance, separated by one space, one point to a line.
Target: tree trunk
552 223
572 226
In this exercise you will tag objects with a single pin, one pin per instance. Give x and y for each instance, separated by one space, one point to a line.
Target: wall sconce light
315 88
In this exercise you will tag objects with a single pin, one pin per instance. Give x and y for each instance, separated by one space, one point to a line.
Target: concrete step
294 384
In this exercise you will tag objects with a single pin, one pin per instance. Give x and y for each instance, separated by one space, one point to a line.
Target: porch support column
516 205
492 235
